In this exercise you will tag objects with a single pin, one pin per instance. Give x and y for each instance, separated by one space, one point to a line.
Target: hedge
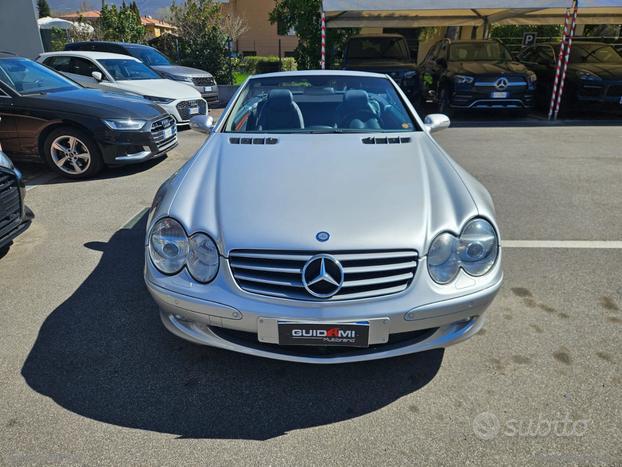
264 64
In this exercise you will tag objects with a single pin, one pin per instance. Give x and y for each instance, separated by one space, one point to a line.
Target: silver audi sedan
320 222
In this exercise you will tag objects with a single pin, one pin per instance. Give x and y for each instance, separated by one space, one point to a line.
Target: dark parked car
593 77
76 131
201 80
15 217
478 74
383 53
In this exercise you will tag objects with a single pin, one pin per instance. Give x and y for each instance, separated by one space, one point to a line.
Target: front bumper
8 236
132 147
423 317
482 98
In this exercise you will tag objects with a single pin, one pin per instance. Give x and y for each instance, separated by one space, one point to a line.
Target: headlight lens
168 246
125 124
410 74
159 100
478 247
186 79
463 79
475 251
203 258
588 76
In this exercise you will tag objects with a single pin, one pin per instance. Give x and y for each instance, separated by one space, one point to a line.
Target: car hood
279 196
178 70
486 68
95 103
607 71
160 88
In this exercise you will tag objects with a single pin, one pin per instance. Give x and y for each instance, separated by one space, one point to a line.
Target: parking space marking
40 180
130 224
595 244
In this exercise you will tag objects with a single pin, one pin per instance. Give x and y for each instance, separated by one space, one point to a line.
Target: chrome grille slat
365 273
379 280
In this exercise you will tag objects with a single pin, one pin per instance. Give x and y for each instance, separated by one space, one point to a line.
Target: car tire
72 153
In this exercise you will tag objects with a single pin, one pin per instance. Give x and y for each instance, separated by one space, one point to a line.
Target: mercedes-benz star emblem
502 83
322 276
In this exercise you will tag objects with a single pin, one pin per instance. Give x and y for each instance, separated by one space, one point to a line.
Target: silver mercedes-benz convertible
321 223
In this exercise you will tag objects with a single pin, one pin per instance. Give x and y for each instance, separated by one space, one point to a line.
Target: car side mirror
436 122
97 76
202 123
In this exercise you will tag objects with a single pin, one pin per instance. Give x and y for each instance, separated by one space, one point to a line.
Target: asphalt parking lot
89 376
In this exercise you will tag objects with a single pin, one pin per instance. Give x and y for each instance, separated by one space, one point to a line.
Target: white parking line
595 244
40 180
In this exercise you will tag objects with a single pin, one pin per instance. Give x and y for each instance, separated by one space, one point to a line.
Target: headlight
159 100
410 74
186 79
168 246
5 161
463 79
588 76
125 124
475 251
203 258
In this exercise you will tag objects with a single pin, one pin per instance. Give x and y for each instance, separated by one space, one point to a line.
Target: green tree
44 8
203 43
134 8
120 24
304 17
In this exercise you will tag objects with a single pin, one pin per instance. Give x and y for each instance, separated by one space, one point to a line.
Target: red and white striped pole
323 55
558 67
573 26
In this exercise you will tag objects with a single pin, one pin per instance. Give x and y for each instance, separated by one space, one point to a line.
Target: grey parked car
322 223
203 81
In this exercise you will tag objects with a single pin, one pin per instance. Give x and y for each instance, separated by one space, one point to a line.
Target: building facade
262 38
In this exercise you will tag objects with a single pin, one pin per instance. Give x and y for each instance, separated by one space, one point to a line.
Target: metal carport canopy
420 13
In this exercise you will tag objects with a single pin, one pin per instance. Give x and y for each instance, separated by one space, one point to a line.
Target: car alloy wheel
70 154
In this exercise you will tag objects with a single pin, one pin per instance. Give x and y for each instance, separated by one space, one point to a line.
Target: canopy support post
323 36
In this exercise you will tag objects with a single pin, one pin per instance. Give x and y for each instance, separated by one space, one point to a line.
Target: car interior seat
356 111
280 112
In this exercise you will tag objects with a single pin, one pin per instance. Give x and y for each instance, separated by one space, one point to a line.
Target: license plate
499 95
207 89
194 110
168 132
324 334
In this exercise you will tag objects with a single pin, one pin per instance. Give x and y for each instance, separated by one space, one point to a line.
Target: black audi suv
593 76
383 53
76 131
475 74
15 217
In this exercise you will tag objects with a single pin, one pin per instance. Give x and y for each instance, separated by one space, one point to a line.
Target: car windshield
319 104
593 53
28 77
378 48
478 51
149 56
127 69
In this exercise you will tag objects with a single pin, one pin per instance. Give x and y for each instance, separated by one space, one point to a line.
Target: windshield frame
238 99
102 62
589 51
12 92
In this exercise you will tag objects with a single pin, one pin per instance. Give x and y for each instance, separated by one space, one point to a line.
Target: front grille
184 108
615 90
366 273
10 206
158 129
489 84
203 81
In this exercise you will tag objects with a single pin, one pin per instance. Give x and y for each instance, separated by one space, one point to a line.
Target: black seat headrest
280 99
356 98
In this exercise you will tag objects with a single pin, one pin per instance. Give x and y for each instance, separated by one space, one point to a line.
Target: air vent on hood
253 140
386 140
